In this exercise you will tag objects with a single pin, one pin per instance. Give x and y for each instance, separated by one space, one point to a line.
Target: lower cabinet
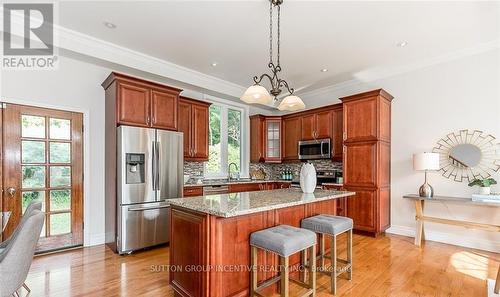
193 191
363 209
250 187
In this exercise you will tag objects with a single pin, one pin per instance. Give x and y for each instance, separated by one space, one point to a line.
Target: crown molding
370 75
100 49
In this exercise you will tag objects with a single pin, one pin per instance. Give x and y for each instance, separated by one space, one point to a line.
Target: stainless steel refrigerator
149 172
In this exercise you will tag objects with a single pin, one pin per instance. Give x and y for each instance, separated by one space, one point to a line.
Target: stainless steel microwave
315 149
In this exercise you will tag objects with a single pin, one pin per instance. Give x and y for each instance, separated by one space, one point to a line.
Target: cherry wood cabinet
324 122
247 187
317 125
272 139
308 123
142 103
291 136
265 139
192 191
193 122
164 109
337 131
133 104
257 138
367 159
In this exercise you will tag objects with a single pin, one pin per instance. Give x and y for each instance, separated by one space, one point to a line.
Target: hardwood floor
384 266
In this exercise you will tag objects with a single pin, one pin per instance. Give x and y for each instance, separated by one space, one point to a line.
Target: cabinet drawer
235 188
193 191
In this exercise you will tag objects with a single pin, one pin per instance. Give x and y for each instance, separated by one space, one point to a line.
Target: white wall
430 103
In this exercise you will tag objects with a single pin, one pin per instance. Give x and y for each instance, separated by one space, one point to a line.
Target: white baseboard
449 238
95 239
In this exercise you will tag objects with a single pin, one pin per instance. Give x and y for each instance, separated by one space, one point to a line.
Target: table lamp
425 162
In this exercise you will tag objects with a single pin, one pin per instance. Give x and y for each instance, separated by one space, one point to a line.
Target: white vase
308 178
484 190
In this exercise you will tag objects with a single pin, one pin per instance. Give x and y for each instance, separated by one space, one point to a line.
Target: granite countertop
237 204
233 182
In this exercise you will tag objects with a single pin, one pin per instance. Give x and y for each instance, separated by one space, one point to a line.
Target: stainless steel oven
315 149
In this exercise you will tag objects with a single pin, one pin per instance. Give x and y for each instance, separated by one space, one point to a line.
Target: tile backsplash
273 171
193 168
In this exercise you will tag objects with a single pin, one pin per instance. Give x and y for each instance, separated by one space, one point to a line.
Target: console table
421 218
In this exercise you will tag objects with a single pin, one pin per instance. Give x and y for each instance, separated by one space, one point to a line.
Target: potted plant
484 185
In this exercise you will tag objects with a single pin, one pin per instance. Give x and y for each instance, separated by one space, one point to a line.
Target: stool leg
253 274
284 276
312 269
322 250
304 264
333 255
349 252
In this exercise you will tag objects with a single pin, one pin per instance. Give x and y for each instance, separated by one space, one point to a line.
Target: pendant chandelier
259 94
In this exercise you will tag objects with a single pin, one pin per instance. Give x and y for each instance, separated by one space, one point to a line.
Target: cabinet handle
147 120
344 135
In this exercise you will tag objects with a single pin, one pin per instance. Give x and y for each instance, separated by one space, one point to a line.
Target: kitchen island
209 238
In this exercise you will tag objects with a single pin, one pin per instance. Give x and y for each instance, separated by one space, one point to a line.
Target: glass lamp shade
291 103
256 94
426 161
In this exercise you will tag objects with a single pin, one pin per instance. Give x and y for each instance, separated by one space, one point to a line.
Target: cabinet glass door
273 140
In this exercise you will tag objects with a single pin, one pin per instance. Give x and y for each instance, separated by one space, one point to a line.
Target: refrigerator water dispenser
135 168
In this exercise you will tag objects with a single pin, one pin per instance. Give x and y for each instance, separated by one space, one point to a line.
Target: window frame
225 105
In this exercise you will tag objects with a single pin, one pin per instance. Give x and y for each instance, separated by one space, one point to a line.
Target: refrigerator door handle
147 208
157 154
153 165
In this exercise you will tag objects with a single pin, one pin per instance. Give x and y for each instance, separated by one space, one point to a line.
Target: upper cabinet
133 104
193 122
142 103
257 138
291 136
164 109
366 117
272 143
275 139
317 125
265 139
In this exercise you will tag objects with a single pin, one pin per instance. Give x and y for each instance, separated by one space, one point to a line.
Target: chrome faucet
229 170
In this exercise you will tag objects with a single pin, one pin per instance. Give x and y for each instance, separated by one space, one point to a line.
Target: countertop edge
266 208
256 181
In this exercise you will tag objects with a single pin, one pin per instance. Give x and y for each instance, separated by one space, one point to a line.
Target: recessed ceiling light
214 64
110 25
324 70
402 44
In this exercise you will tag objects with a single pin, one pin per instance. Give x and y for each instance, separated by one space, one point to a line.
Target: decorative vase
308 178
484 190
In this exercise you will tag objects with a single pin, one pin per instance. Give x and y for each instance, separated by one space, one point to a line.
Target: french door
43 160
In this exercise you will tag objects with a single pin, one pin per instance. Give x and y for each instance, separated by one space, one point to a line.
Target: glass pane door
46 154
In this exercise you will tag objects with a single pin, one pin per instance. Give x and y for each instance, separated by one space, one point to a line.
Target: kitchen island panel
219 245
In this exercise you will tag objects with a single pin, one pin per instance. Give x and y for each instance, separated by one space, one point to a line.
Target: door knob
11 191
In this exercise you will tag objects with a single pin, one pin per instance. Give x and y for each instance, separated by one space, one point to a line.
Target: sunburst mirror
468 154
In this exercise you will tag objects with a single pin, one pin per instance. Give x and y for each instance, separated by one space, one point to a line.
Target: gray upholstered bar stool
284 241
332 226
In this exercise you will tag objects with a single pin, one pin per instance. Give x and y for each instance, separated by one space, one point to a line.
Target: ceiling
344 37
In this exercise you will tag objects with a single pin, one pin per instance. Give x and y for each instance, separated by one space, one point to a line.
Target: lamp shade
426 161
291 103
256 94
